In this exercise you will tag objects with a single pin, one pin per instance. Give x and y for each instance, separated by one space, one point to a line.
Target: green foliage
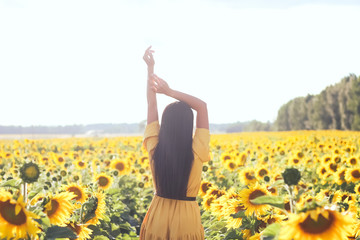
272 231
276 201
59 232
336 107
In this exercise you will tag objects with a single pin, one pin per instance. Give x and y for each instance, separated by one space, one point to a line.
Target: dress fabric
169 219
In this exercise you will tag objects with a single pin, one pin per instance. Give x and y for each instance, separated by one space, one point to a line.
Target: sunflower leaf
271 231
59 232
239 214
13 183
276 201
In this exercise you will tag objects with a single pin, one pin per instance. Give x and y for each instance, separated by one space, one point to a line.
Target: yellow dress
169 219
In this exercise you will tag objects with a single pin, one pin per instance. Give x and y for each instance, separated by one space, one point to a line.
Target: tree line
336 107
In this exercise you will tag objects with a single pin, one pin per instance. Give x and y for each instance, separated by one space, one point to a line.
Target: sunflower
319 223
326 158
96 209
332 167
15 220
207 201
262 172
80 164
242 158
352 174
226 156
247 176
234 207
120 165
29 172
230 165
340 175
81 230
103 181
294 161
322 171
246 195
78 190
59 208
204 186
60 160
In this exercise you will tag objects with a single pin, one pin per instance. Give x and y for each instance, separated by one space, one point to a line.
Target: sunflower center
76 191
103 181
255 194
249 176
353 161
227 158
31 172
81 164
120 166
355 173
60 159
232 165
295 160
317 227
263 172
7 211
272 190
333 166
239 207
205 187
54 207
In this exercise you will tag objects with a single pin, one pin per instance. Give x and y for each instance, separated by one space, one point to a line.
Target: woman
176 159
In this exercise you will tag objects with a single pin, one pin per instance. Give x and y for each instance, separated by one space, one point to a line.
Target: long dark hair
173 155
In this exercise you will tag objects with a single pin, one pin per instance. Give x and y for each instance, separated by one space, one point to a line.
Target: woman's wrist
170 93
150 70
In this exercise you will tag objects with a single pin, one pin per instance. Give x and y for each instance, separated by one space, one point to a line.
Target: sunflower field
264 185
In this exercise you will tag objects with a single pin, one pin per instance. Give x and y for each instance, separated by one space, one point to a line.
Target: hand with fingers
159 85
149 59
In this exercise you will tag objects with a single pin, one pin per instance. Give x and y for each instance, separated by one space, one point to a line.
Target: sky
80 61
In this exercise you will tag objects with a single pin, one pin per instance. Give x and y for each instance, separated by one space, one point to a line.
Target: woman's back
176 219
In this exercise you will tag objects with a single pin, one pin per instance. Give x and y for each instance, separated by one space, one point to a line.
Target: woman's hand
149 59
159 85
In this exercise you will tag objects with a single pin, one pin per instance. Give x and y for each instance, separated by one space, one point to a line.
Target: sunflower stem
291 193
24 192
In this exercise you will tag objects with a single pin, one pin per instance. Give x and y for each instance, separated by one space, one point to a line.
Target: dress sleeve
151 136
201 142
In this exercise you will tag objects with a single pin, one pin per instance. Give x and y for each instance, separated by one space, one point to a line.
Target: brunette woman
176 158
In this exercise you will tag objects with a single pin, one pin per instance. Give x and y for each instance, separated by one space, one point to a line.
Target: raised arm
152 112
202 119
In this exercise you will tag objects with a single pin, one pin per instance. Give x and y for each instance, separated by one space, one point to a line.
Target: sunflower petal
17 209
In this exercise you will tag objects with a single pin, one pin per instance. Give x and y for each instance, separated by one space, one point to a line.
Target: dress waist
182 198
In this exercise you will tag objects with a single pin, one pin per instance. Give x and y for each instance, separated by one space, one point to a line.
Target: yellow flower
230 165
352 174
16 221
103 181
79 192
59 208
81 230
247 176
80 164
262 172
204 187
317 224
98 209
246 195
120 165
